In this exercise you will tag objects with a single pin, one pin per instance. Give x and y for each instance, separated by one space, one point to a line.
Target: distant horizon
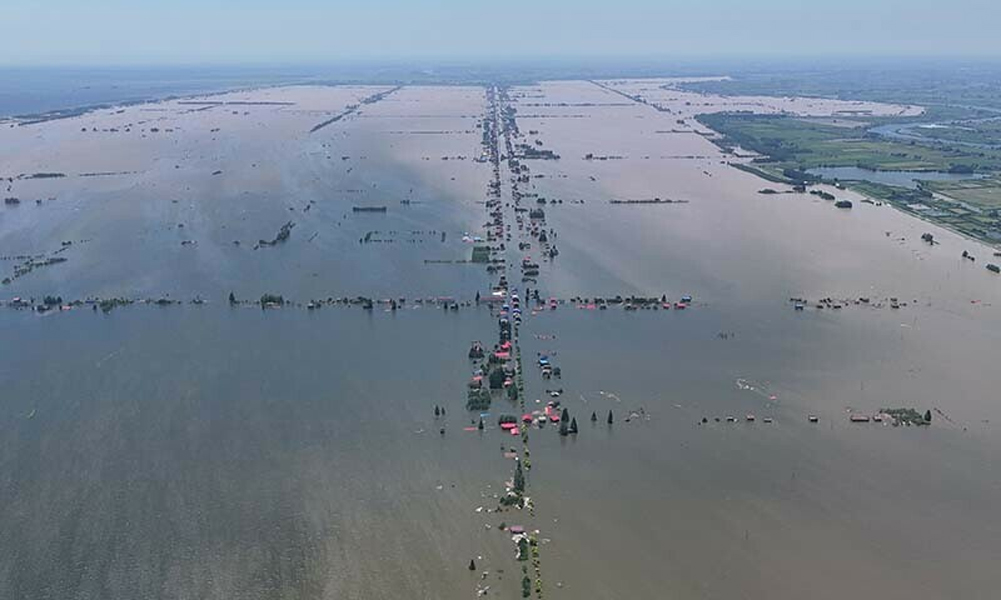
46 89
611 60
185 32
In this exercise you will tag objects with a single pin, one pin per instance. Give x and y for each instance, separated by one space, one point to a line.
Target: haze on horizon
123 32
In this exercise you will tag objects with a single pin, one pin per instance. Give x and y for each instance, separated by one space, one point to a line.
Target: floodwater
193 454
204 451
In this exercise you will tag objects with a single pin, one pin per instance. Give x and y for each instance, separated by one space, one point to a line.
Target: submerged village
535 227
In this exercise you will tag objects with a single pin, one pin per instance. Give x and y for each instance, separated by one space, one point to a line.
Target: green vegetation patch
907 416
806 144
481 254
791 146
478 399
981 192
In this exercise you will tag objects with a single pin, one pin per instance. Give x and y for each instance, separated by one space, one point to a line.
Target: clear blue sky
294 31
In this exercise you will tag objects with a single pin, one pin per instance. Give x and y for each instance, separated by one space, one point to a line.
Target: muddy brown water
203 451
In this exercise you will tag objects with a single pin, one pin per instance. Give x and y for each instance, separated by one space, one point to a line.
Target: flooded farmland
259 301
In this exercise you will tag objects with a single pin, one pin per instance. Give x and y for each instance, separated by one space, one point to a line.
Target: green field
790 146
805 144
980 192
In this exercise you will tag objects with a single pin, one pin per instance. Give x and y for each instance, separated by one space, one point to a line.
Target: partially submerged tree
519 479
496 379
